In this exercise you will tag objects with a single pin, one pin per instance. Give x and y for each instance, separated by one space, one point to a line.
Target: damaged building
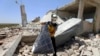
87 10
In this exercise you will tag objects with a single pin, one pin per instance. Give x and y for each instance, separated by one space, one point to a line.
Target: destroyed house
87 10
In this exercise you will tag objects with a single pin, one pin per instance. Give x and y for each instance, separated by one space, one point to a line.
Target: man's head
53 18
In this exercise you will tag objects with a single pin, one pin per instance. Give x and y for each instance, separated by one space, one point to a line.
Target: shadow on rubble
69 43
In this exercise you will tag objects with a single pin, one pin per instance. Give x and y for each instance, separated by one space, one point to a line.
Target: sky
10 11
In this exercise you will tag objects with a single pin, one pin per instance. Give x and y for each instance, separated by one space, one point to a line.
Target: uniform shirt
52 28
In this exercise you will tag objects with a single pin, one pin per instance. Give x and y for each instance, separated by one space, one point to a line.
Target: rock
26 54
62 54
75 46
77 38
95 52
21 50
70 52
19 55
77 54
73 55
87 53
88 40
29 53
30 47
95 39
89 48
98 36
81 47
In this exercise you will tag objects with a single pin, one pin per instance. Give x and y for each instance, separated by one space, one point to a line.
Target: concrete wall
87 27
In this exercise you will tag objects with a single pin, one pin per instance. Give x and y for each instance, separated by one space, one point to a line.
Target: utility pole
23 14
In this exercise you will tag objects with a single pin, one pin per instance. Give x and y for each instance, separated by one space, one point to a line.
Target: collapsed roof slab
73 7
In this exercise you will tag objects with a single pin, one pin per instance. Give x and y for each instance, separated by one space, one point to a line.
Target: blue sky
10 11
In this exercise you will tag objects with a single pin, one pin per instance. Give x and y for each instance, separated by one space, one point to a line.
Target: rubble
9 32
80 46
2 35
24 50
7 38
95 52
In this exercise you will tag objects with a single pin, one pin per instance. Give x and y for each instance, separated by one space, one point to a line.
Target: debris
81 47
81 52
87 53
89 48
95 52
67 30
2 35
75 46
70 52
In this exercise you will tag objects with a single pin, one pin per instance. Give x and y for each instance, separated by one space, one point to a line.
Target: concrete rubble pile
9 39
6 34
24 49
9 32
78 46
82 47
92 47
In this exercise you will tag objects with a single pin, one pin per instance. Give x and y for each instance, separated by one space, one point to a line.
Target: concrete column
80 14
81 9
23 15
97 20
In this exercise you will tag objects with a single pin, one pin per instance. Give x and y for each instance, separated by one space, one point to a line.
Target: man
52 26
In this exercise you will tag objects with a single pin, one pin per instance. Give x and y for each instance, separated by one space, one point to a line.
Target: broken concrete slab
28 36
67 25
11 46
66 30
